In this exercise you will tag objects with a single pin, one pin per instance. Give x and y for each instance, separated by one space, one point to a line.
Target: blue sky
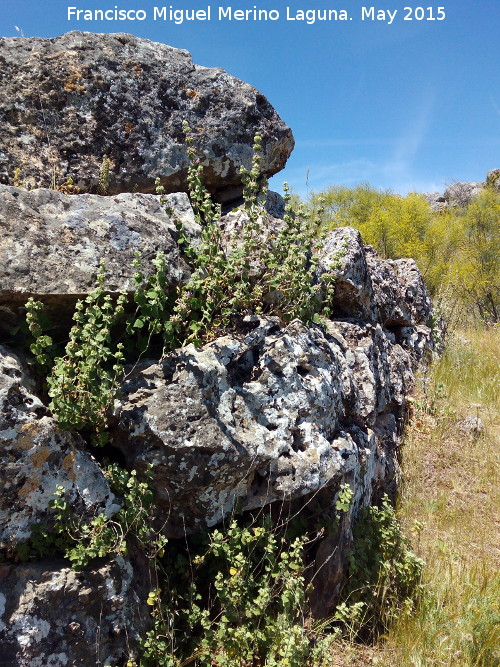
413 105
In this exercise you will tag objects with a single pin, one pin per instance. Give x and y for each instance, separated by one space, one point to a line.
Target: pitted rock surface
68 101
367 288
413 290
271 415
53 616
343 253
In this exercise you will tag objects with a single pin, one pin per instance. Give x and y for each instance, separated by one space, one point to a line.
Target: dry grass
450 505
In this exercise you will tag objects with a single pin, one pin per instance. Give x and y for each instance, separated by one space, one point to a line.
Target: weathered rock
413 290
460 194
270 414
68 101
421 342
493 179
368 288
250 418
391 308
472 427
343 254
51 244
376 474
51 615
435 200
270 221
380 371
35 458
259 417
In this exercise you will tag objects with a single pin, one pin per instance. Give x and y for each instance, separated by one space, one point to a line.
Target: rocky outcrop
68 101
386 292
436 200
253 418
270 414
343 253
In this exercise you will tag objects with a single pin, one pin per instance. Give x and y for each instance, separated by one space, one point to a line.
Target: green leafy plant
154 305
106 536
42 348
251 270
384 574
100 537
345 497
245 602
83 382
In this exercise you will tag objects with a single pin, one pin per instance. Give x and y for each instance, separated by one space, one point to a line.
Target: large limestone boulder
68 101
52 243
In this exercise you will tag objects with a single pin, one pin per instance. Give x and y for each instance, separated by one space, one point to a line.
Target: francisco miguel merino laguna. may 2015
218 13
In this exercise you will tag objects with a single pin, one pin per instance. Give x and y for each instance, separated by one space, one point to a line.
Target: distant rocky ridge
461 193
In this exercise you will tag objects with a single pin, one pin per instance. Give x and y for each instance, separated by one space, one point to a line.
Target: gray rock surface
413 290
436 200
51 244
51 616
461 193
35 458
389 292
391 307
472 426
261 417
343 253
270 413
493 178
68 101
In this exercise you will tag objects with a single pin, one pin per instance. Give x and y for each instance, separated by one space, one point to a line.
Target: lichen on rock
67 102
